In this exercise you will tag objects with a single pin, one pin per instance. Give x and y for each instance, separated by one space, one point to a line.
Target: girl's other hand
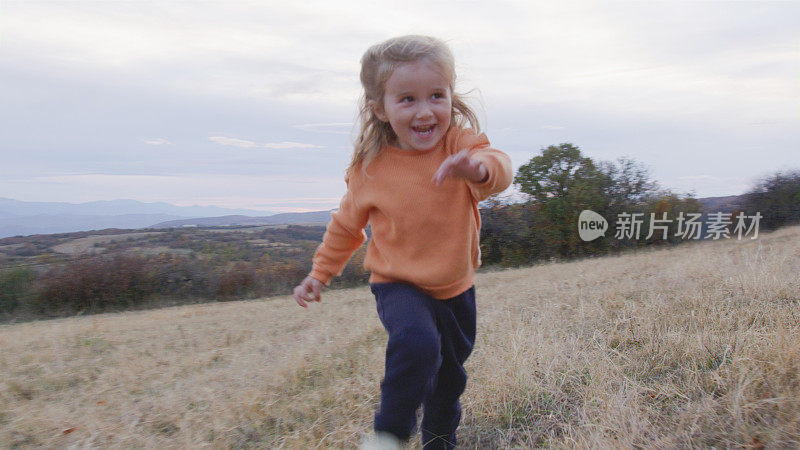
309 290
461 166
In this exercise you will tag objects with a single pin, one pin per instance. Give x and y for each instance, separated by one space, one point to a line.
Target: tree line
561 182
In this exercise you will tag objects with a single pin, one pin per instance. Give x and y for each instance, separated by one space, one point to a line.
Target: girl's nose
424 112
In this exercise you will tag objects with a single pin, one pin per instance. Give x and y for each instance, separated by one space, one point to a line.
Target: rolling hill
691 346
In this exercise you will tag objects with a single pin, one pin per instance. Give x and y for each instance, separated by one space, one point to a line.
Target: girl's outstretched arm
343 236
486 170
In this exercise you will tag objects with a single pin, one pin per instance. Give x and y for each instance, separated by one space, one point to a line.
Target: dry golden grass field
693 346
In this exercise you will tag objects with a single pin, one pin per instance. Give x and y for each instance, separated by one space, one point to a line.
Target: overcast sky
251 104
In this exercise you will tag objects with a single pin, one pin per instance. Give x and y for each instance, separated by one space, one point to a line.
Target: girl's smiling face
417 102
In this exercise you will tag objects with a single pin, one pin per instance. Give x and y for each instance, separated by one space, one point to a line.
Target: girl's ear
377 109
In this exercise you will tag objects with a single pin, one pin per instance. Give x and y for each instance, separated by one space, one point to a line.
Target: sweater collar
402 152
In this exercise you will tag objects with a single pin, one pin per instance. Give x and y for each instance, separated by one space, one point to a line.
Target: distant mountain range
18 218
117 207
307 218
723 204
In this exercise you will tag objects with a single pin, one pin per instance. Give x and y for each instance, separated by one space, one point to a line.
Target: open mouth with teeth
424 130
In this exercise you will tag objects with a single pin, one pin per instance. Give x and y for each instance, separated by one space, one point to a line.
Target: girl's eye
438 95
407 99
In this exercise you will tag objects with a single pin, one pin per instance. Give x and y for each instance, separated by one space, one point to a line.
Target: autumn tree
562 182
777 198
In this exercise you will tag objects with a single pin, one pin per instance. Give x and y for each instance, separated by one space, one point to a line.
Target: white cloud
234 142
290 145
156 141
332 128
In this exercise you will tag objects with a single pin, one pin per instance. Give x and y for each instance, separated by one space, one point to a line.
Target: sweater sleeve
497 163
343 236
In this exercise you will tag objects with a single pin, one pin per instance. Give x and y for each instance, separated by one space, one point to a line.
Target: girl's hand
309 290
461 166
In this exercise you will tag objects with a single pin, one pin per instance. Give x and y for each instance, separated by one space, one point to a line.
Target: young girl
416 177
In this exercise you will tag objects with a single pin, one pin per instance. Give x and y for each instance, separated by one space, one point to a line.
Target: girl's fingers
315 293
298 298
437 177
314 289
451 166
443 173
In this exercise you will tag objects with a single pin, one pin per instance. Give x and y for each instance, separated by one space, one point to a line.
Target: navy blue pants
429 340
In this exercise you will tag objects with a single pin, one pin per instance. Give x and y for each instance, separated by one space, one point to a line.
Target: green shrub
16 288
97 284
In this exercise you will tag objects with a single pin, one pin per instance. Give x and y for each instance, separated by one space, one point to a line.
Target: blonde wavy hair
377 65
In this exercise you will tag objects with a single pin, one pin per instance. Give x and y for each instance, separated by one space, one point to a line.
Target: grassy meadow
690 346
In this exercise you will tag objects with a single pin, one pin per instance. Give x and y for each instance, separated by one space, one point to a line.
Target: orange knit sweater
422 234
